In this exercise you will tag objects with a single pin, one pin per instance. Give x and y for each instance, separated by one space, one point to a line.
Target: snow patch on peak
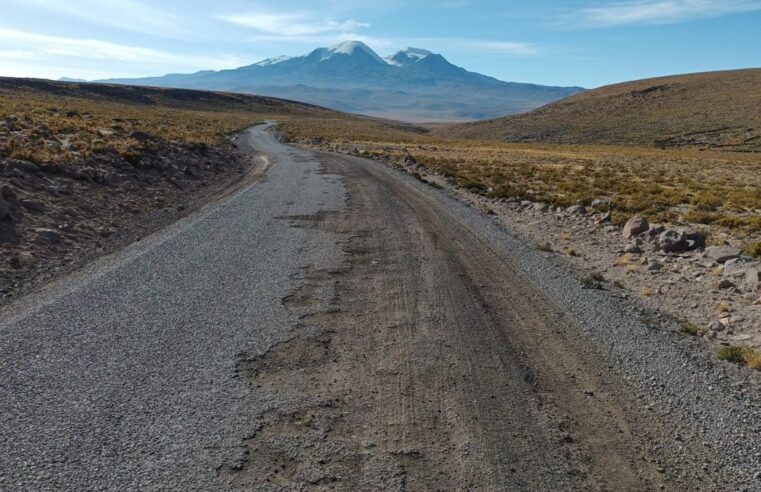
415 53
408 56
273 61
349 47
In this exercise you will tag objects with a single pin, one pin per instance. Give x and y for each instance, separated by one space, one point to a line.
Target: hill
411 85
718 110
48 122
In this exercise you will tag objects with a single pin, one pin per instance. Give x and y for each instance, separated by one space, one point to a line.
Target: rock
741 271
636 225
722 254
633 248
5 210
654 231
540 207
24 166
409 160
753 279
672 241
33 206
72 114
576 210
696 238
142 136
716 326
726 284
605 219
655 266
49 235
599 204
105 132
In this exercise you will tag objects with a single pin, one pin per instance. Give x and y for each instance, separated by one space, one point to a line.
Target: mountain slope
413 84
705 110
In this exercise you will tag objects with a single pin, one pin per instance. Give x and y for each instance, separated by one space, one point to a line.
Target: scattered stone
105 132
576 210
635 226
540 207
409 160
722 254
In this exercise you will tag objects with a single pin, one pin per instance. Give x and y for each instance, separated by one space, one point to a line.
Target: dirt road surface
340 326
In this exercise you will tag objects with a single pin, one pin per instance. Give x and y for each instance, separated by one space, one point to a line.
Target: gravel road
339 325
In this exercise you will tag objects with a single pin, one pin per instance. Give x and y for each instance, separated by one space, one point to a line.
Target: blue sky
573 42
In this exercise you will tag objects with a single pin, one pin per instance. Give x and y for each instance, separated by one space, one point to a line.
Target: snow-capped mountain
412 84
407 57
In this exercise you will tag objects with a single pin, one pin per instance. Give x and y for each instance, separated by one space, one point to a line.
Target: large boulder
635 226
696 238
722 254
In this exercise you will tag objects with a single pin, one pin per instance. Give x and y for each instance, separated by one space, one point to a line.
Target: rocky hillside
716 110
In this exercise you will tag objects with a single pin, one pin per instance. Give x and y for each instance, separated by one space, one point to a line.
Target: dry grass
741 355
713 188
705 110
53 122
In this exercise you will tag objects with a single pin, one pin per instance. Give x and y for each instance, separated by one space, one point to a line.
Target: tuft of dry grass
740 354
723 307
646 292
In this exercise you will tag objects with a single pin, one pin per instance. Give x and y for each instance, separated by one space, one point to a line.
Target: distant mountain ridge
412 84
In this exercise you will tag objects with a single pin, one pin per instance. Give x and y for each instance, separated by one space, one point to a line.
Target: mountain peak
408 56
350 48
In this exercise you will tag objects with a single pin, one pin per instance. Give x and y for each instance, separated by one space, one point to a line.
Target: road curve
336 325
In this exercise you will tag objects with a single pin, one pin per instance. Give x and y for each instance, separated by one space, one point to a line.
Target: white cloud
292 24
663 11
24 46
510 48
128 15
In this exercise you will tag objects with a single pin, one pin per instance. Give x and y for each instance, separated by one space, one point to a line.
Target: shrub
739 354
691 329
753 249
593 280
